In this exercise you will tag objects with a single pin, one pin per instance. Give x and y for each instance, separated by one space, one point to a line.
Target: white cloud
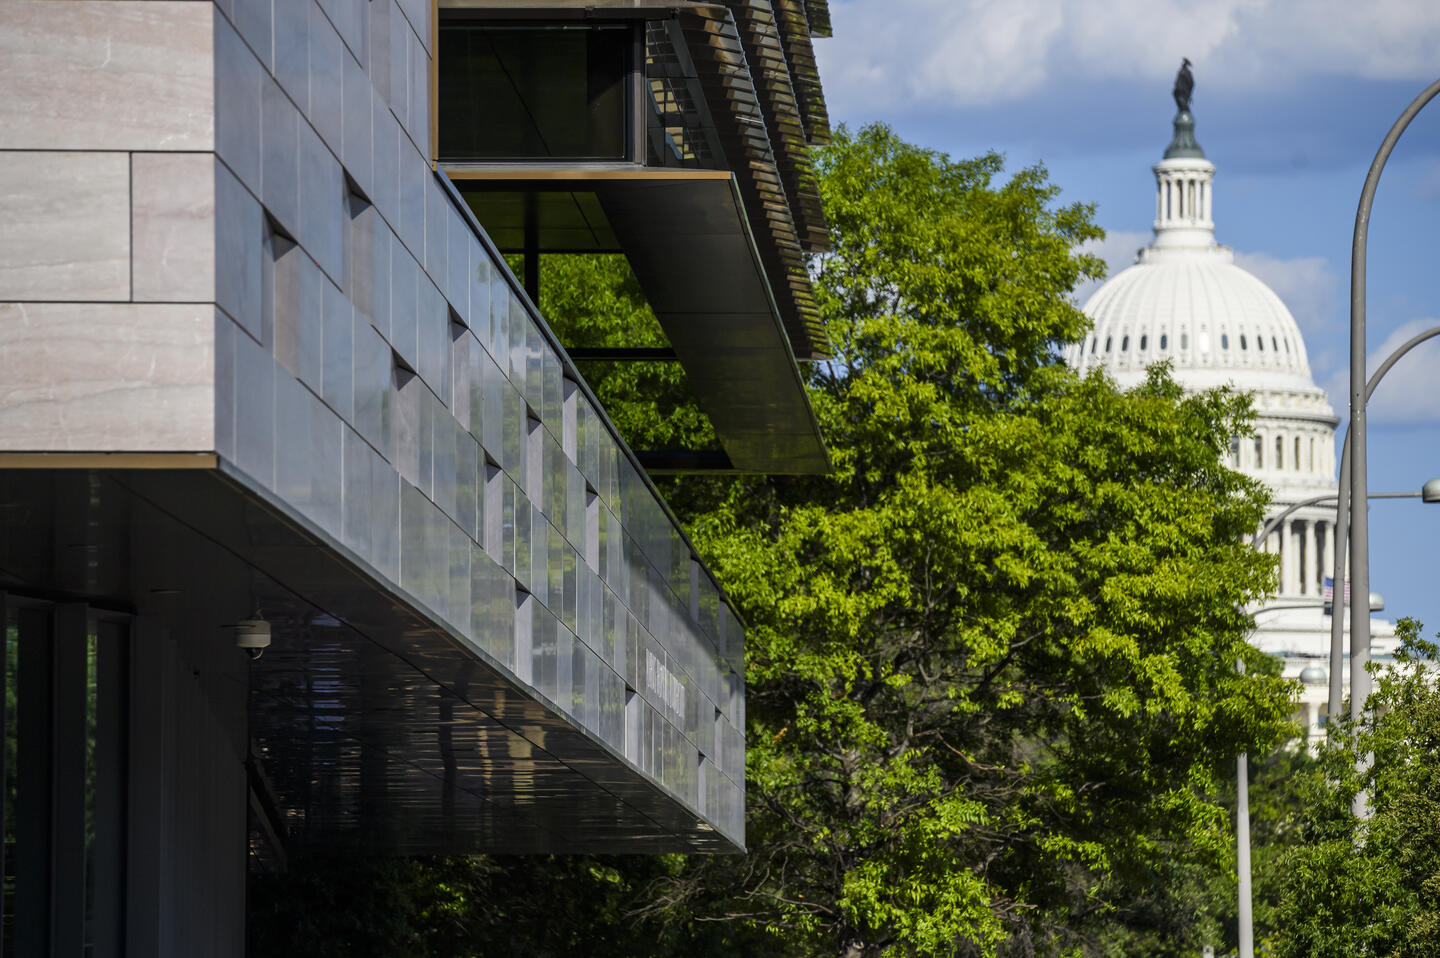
900 53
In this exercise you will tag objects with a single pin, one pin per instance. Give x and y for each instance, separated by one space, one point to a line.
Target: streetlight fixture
1359 394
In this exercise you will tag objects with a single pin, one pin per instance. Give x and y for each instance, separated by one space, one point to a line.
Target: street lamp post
1244 913
1353 482
1359 518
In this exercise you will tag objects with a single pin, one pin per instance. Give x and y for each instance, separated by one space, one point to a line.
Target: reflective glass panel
528 92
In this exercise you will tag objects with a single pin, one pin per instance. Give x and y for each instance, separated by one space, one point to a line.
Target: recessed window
1259 453
1243 344
1143 341
1224 340
1287 344
1184 340
1124 344
1107 343
1295 463
1163 341
1094 344
1260 343
1279 453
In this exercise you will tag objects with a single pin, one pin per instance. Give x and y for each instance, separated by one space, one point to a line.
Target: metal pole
1359 481
1342 526
1244 912
1337 600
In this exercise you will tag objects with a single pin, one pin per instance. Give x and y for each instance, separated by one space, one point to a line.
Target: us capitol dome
1184 300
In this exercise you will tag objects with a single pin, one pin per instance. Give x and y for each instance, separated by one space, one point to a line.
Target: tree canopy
1353 886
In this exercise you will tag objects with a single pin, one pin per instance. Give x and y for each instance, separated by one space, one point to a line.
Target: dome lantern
1183 199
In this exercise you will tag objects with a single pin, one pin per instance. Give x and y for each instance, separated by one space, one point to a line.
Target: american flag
1330 593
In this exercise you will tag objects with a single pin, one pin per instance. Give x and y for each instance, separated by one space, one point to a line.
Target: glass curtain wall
66 680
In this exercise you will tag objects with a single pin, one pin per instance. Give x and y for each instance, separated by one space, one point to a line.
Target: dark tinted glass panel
11 790
63 794
516 93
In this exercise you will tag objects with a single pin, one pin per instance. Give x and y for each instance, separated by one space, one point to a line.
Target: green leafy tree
1371 887
992 656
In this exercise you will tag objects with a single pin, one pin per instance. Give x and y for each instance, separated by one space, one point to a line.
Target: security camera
252 635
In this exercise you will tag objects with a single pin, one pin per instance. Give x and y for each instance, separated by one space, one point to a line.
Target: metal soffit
377 728
690 246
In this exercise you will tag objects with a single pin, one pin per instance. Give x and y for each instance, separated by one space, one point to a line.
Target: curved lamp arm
1342 522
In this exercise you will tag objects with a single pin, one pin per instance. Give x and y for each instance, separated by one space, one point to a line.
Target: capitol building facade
1184 300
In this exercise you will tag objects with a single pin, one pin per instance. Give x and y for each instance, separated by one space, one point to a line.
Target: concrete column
1280 550
1307 558
1289 559
1327 533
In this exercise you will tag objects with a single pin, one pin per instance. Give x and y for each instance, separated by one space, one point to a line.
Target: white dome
1212 320
1187 302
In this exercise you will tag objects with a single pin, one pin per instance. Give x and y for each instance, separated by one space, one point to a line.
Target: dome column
1306 558
1330 545
1286 559
1182 203
1294 553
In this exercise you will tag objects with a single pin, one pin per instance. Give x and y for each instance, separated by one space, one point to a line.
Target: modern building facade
312 536
1185 301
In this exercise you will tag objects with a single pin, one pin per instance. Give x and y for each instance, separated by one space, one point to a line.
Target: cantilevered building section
679 135
265 376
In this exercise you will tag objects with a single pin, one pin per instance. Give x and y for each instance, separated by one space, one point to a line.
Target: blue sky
1292 99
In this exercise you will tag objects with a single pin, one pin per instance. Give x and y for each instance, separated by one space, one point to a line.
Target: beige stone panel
64 226
173 226
121 377
125 75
